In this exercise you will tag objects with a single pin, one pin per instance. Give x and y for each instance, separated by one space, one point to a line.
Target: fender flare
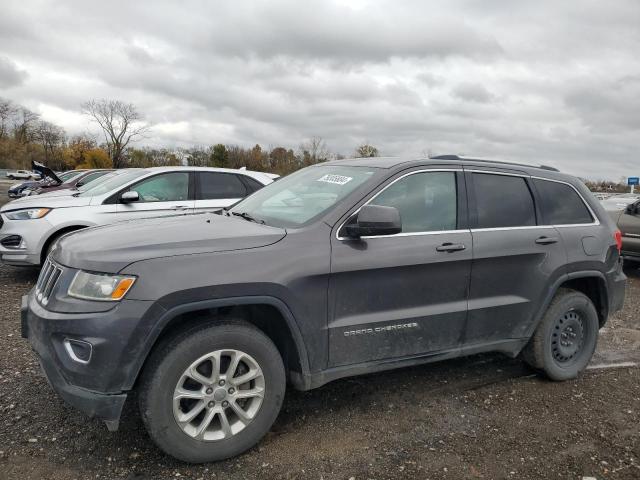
173 312
556 286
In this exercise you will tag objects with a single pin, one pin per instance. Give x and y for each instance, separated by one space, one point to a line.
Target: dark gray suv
345 268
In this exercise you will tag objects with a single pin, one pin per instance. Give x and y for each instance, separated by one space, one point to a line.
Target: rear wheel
566 338
212 392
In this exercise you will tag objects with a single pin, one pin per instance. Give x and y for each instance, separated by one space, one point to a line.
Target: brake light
618 237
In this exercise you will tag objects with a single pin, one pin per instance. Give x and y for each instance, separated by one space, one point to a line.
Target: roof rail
456 157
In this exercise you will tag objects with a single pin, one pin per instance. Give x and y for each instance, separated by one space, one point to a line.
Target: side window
252 184
427 201
92 176
503 201
166 187
212 185
560 204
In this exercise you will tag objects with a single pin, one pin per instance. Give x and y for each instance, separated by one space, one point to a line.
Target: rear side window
252 184
212 185
560 204
503 201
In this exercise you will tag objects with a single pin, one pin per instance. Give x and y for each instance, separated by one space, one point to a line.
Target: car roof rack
456 157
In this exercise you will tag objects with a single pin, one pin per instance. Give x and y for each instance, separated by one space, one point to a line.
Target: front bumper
34 233
94 387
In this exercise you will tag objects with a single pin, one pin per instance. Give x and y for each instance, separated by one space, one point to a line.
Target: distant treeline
25 137
607 186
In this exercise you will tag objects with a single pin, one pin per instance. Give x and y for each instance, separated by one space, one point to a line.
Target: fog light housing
13 242
79 350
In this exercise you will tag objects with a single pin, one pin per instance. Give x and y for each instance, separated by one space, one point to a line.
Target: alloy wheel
218 395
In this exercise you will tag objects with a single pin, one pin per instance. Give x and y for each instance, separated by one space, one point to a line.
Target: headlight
102 287
27 214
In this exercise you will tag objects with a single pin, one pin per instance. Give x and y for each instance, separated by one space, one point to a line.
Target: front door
406 294
159 195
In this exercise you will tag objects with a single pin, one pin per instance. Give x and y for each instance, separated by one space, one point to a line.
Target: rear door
160 195
216 190
515 258
400 295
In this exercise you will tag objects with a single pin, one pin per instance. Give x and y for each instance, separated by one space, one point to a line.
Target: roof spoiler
45 171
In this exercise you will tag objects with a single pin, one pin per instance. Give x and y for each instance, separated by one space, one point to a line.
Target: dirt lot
481 417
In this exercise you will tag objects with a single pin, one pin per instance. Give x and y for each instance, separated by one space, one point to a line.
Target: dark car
340 269
82 177
26 188
628 222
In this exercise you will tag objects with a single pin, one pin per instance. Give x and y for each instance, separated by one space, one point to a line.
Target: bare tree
51 137
24 125
8 112
121 123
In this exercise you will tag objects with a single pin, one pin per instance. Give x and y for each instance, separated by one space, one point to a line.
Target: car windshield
303 195
98 180
72 176
112 183
66 175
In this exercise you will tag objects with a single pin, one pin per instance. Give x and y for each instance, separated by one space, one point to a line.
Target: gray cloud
539 82
10 74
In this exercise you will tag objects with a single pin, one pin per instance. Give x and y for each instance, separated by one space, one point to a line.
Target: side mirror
130 196
79 184
375 220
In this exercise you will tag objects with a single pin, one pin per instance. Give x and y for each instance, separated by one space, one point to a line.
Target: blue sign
633 181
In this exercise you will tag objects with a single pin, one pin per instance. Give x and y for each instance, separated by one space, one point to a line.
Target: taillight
618 237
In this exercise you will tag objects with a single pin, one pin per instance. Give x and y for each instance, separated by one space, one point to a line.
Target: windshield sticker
337 179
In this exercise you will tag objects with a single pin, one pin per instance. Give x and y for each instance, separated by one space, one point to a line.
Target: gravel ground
480 417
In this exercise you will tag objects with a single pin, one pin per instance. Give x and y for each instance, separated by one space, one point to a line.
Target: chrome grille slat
46 283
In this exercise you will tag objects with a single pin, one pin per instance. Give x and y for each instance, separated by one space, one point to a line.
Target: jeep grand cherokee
339 269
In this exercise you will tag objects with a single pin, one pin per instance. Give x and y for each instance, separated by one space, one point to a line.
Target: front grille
49 276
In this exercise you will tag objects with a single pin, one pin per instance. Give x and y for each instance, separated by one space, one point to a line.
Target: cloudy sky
555 82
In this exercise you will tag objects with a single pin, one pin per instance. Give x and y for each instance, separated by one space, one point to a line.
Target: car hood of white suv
39 201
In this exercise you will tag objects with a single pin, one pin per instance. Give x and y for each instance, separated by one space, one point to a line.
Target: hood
45 172
38 201
57 193
110 248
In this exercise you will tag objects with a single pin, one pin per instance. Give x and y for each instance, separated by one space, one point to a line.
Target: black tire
164 370
566 338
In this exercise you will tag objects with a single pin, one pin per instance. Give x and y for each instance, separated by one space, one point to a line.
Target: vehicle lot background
480 417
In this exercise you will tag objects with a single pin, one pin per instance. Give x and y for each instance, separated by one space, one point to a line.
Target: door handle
450 247
181 207
546 240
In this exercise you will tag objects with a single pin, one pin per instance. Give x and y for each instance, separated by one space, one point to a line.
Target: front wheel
212 392
566 338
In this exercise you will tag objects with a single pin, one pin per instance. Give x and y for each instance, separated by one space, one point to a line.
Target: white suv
30 225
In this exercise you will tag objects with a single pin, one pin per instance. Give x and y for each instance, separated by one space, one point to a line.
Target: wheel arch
55 235
269 314
592 283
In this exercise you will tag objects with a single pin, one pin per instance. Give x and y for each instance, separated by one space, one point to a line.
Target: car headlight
100 286
27 213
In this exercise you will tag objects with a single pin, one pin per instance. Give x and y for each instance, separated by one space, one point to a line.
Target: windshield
71 176
96 181
303 195
112 183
